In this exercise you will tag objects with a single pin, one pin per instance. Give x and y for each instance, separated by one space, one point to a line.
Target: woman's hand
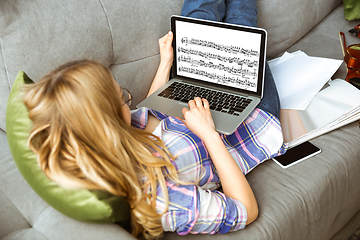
166 59
166 50
198 119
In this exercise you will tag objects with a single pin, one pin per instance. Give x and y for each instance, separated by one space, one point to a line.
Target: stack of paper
304 118
299 78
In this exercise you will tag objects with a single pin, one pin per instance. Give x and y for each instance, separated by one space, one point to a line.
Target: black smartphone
297 154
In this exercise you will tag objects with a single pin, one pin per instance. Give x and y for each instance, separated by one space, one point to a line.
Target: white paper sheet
300 77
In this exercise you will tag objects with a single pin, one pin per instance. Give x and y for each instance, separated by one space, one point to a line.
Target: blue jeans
241 12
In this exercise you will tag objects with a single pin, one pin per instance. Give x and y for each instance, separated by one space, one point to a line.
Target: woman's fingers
206 103
198 102
191 104
169 38
166 51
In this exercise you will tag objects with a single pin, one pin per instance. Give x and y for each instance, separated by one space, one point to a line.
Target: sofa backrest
287 21
37 36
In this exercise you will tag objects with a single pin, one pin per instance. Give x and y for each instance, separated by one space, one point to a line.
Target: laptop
221 62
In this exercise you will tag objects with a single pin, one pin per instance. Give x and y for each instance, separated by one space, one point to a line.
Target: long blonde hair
82 141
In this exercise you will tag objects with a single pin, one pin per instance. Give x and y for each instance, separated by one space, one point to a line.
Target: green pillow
84 205
352 9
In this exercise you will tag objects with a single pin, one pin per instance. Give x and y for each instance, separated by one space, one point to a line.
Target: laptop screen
218 53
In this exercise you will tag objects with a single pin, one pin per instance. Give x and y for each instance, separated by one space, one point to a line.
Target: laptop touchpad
177 111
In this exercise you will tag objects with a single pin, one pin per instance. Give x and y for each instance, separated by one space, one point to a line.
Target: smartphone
297 154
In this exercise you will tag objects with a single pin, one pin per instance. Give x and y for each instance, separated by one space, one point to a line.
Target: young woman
85 136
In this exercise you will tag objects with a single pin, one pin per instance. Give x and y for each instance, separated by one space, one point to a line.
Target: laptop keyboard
218 101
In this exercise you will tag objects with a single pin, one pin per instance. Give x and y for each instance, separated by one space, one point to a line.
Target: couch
315 199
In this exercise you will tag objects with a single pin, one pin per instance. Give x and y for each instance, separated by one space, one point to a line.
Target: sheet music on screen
224 56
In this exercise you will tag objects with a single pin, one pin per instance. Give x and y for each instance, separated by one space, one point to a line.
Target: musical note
220 47
208 55
222 78
211 65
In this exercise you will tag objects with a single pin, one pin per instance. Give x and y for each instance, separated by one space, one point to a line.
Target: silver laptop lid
221 55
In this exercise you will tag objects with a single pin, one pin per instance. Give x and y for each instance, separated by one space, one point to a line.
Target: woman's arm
199 120
166 59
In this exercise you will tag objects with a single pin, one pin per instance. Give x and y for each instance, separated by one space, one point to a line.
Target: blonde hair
82 141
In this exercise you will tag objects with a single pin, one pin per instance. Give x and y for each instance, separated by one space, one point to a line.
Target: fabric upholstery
24 234
52 225
4 91
288 21
56 226
15 188
11 219
348 229
64 37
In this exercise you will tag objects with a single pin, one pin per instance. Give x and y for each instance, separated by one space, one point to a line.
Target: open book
306 116
333 107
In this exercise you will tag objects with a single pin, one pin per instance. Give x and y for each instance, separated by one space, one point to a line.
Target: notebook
221 62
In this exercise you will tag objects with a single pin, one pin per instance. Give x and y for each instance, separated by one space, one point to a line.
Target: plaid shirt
200 208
